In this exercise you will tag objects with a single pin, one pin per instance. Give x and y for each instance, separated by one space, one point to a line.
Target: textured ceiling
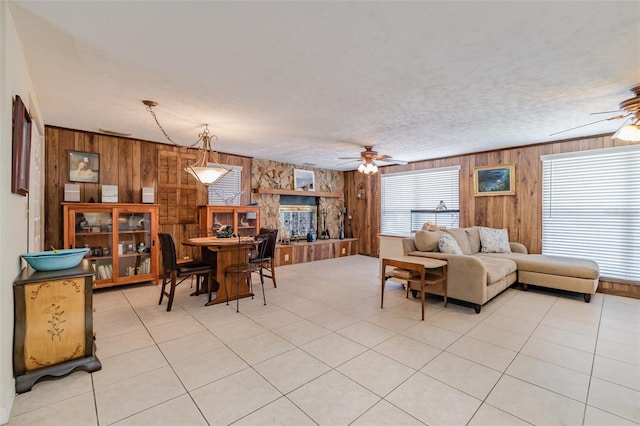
307 82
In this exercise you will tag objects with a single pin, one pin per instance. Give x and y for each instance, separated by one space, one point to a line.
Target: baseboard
7 403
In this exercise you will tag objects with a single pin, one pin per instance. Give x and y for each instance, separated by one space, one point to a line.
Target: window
418 190
227 190
591 208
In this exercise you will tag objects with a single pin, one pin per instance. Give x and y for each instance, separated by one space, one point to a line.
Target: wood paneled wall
521 214
128 163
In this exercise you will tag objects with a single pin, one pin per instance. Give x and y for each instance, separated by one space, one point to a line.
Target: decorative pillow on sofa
494 240
448 244
460 236
427 240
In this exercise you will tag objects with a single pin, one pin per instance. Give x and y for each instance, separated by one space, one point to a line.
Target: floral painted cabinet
53 333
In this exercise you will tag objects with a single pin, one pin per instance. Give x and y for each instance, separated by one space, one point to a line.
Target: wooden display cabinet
244 219
122 239
53 327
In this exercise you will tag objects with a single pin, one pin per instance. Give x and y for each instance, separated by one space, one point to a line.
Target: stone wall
272 174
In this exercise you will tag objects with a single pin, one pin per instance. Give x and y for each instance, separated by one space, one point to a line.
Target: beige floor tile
127 365
519 312
301 332
385 414
107 347
552 377
566 338
177 411
454 321
359 310
202 369
504 322
159 315
615 399
621 324
233 397
563 356
499 337
189 346
275 318
620 336
118 328
291 370
572 325
618 351
307 308
366 333
596 417
534 404
333 320
261 347
376 372
176 329
425 399
483 353
333 349
240 329
281 412
323 399
617 372
407 351
464 375
128 397
491 416
102 318
109 298
431 335
77 410
48 392
394 321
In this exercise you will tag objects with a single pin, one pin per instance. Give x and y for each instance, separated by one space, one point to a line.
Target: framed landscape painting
304 180
494 180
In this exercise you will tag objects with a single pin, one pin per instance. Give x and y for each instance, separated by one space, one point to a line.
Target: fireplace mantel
273 191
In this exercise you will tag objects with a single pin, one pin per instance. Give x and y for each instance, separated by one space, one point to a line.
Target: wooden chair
247 268
267 262
172 270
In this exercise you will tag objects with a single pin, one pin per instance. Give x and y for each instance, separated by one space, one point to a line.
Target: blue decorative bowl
55 261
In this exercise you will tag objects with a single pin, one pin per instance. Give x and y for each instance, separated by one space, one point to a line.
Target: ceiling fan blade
349 158
617 117
604 112
354 160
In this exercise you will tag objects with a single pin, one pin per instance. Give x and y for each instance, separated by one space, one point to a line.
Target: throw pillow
427 240
494 240
448 244
461 238
473 234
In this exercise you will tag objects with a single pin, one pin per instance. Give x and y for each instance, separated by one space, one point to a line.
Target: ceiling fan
629 111
369 157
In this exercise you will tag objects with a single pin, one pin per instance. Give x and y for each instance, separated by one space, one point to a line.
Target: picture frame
84 167
494 180
304 180
21 148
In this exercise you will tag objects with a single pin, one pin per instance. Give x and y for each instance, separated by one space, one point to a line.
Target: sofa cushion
473 234
460 236
494 240
553 265
448 244
427 240
497 268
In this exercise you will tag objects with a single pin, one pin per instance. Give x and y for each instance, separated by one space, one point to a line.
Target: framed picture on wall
494 180
84 167
304 180
21 148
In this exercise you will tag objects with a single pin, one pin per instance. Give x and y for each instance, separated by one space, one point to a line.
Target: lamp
368 168
205 172
629 132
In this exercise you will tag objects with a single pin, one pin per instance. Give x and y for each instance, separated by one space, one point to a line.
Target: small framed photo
21 150
304 180
84 167
494 180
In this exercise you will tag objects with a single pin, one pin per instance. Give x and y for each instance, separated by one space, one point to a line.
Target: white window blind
423 189
227 190
591 209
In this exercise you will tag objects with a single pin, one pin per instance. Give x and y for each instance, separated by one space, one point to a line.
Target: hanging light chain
150 105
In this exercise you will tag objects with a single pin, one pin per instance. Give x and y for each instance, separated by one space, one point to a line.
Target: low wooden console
303 251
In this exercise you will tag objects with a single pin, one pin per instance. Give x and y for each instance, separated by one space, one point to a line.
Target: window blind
591 209
227 190
422 189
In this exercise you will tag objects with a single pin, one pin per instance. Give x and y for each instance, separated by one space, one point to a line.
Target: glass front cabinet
122 240
244 220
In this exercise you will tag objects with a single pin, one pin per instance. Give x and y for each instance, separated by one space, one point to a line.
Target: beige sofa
477 277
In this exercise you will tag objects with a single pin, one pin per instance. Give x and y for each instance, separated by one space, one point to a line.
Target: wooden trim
273 191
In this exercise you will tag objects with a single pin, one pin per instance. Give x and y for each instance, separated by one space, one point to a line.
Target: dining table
222 253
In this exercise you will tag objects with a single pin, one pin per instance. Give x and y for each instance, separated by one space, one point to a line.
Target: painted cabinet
53 327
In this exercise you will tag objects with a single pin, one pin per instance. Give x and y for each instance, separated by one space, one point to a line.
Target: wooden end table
426 267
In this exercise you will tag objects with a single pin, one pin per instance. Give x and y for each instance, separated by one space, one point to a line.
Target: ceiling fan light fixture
629 133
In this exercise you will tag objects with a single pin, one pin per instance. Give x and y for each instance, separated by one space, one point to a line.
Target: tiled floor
323 352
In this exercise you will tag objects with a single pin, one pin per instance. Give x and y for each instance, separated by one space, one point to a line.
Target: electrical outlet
344 250
286 257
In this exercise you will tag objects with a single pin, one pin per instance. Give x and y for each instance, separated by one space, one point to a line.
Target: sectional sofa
482 263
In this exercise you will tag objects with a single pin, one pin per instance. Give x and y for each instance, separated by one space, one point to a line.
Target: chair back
168 249
272 239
